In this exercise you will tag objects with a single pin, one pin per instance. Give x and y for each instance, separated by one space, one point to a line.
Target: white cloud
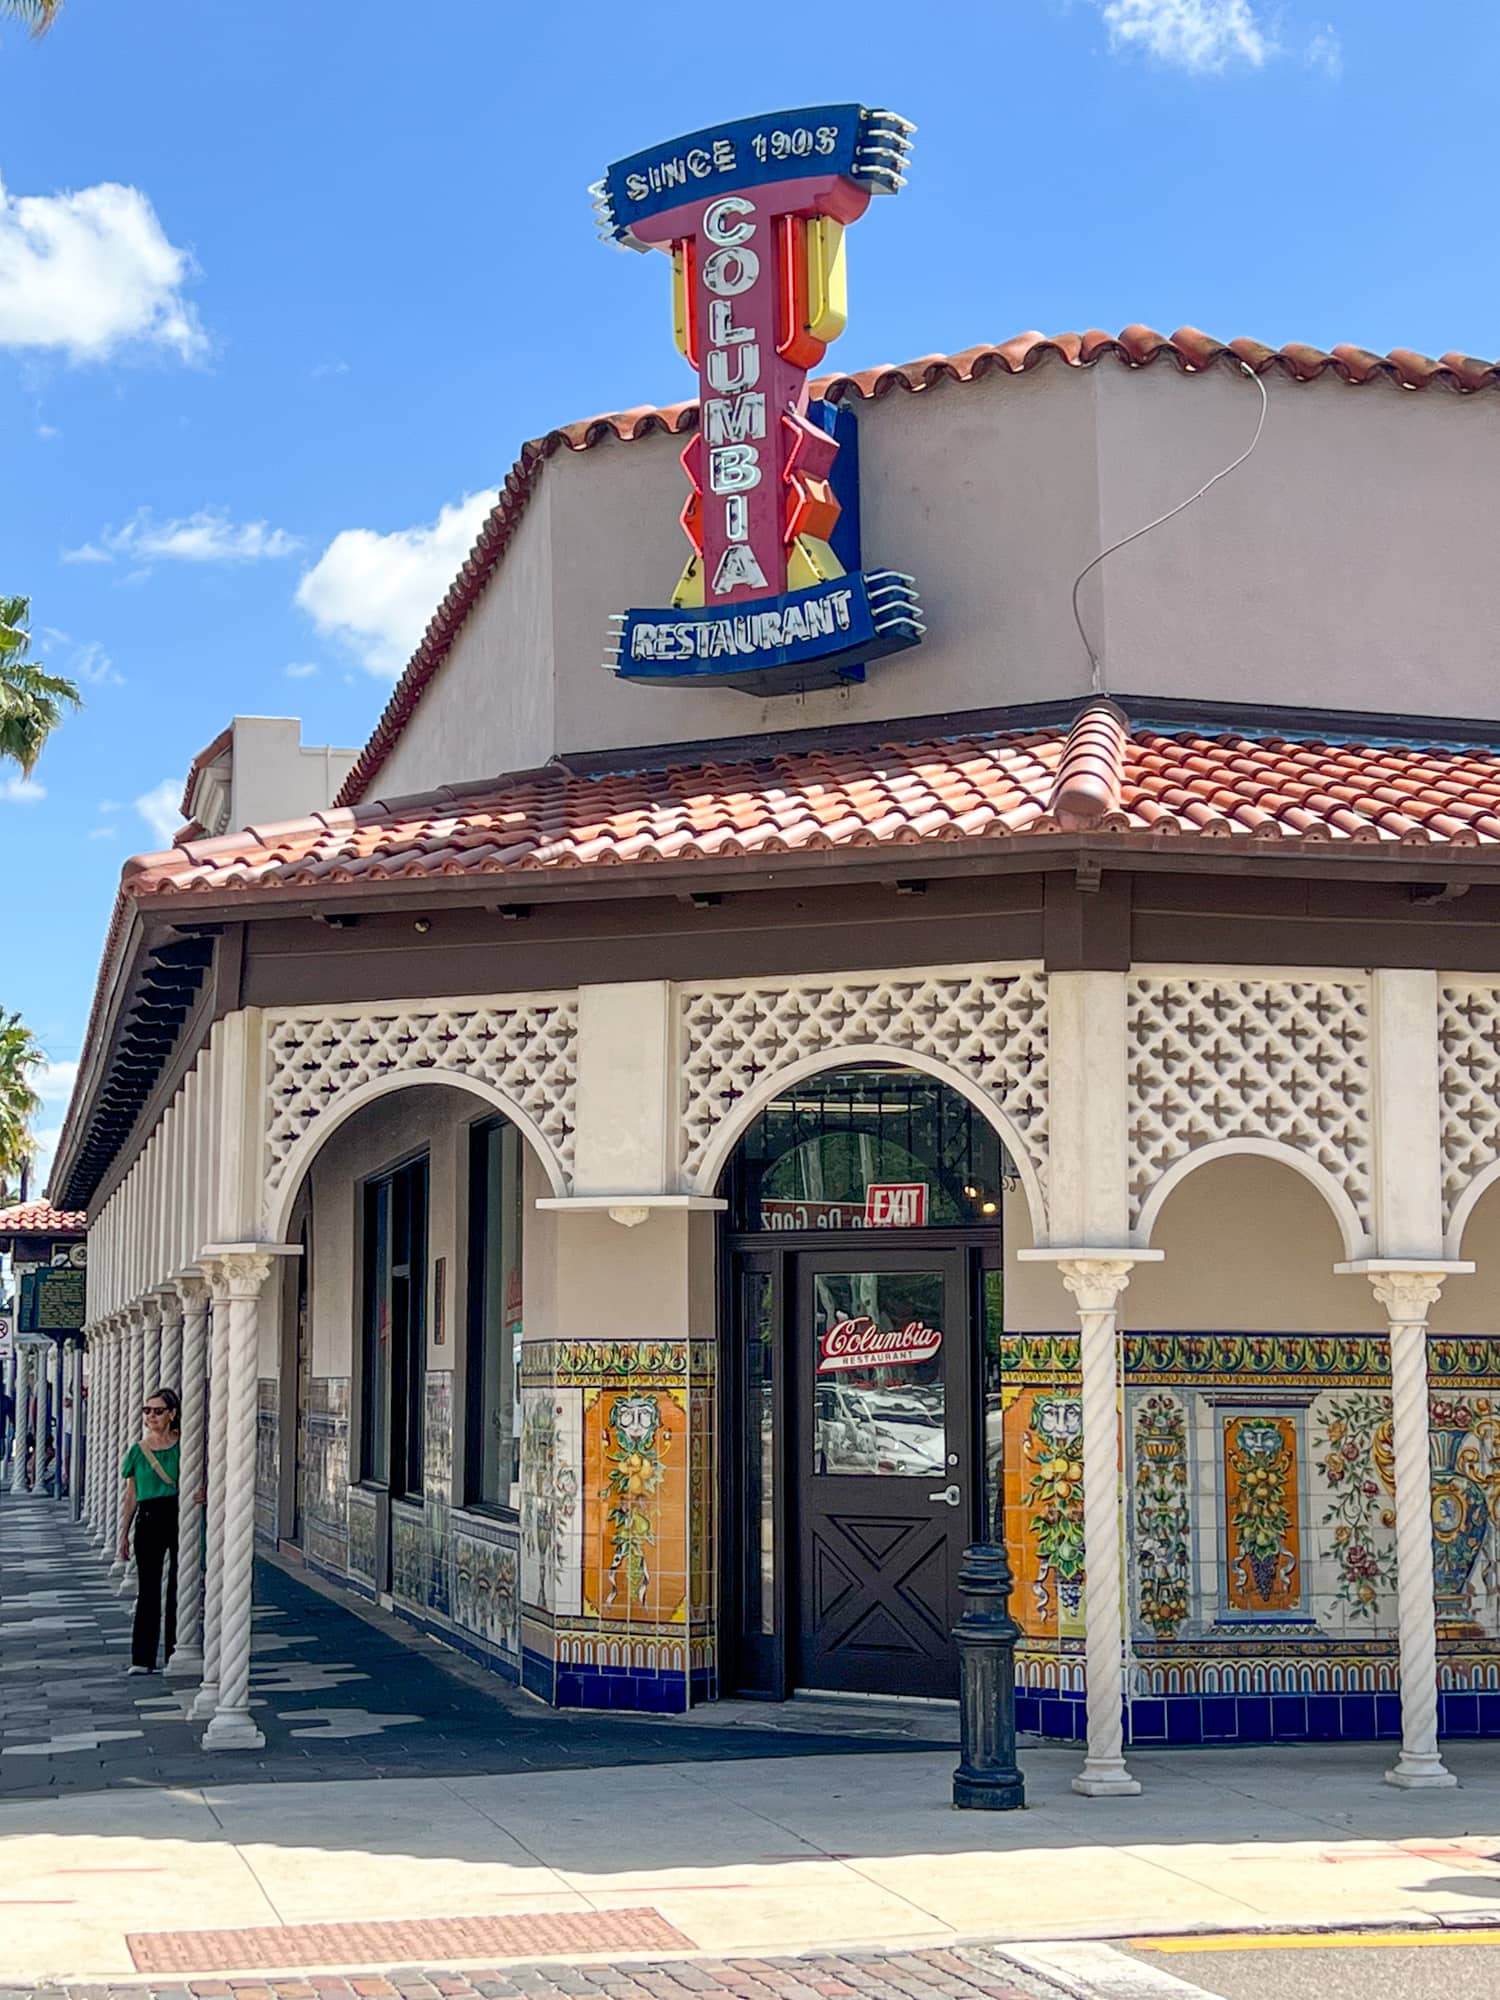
160 809
43 1146
19 791
326 368
301 670
80 659
103 833
209 536
47 432
377 592
1325 51
109 805
1198 35
53 1081
91 272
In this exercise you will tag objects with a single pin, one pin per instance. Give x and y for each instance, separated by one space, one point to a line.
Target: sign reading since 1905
773 599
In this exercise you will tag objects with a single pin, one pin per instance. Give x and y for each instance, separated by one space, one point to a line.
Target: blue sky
278 275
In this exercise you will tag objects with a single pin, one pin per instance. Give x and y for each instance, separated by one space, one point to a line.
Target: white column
23 1397
131 1420
109 1464
206 1701
192 1324
1096 1283
42 1363
243 1272
171 1338
75 1442
150 1318
99 1431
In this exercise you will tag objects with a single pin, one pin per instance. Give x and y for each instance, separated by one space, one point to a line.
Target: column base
125 1585
205 1703
232 1729
1415 1773
1106 1781
186 1664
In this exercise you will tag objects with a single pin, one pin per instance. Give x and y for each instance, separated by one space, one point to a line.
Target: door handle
950 1496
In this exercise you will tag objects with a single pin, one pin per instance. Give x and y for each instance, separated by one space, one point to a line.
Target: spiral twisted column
216 1404
171 1338
42 1361
89 1381
192 1326
23 1403
1408 1297
75 1436
99 1434
130 1429
109 1472
243 1273
150 1317
1096 1283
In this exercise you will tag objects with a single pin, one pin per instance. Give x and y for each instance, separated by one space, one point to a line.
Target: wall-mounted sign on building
753 214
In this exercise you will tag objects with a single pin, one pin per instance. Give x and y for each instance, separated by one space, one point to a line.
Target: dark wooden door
883 1450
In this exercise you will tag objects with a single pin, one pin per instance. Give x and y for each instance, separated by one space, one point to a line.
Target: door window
879 1398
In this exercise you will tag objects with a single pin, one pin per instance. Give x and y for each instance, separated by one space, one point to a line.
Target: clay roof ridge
1091 767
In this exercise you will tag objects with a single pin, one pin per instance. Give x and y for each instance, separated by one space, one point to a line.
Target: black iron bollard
988 1778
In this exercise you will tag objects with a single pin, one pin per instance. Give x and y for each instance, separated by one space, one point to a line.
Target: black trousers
155 1551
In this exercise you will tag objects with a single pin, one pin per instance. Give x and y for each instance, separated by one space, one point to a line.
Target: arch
1465 1206
280 1201
1334 1195
748 1108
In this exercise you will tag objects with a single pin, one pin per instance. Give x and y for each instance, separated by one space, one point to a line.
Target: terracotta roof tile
1102 773
40 1218
1189 350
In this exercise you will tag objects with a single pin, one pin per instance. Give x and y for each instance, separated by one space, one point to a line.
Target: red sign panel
896 1205
860 1343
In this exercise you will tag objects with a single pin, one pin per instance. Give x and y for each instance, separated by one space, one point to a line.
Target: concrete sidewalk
752 1857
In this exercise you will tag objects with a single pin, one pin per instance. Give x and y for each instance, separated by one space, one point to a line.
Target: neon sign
773 598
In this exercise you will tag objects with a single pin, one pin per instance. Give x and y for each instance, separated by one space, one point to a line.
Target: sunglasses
155 1410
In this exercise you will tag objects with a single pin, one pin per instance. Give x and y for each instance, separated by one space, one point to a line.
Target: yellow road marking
1316 1941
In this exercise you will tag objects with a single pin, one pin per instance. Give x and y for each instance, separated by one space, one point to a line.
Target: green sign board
52 1301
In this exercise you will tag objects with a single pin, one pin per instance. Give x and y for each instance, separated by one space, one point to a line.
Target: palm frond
37 14
32 701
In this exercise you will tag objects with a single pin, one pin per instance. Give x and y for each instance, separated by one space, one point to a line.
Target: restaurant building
675 1152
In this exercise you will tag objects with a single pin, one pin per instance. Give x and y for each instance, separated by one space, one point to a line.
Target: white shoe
137 1670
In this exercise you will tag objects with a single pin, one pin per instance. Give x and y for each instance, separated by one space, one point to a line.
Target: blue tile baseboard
1173 1721
622 1688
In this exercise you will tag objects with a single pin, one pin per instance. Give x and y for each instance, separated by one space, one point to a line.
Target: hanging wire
1097 682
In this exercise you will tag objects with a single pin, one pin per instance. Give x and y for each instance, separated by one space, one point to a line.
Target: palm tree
19 1103
38 14
32 701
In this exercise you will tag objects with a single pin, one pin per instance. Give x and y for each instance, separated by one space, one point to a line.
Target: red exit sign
896 1205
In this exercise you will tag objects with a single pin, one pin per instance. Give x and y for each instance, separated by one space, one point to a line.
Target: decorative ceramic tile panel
486 1582
983 1024
1469 1081
267 1459
1211 1059
408 1555
437 1480
326 1484
551 1476
524 1047
1161 1513
362 1521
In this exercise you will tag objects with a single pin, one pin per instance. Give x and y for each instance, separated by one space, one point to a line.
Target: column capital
1095 1274
169 1301
1408 1287
146 1311
239 1270
192 1289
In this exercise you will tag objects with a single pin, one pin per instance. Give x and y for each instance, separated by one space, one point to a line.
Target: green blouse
138 1467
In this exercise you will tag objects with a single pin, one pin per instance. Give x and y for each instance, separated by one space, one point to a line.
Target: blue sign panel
770 645
837 141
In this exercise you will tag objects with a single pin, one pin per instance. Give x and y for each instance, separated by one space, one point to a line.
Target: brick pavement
968 1973
339 1692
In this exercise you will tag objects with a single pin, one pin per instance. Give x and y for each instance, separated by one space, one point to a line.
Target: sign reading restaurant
773 598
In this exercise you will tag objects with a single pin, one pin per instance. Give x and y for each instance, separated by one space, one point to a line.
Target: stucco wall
1250 1247
1347 563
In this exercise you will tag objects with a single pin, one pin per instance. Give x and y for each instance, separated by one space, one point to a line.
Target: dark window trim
473 1419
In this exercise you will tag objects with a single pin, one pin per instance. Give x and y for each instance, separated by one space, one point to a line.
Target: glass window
869 1148
493 1476
393 1389
878 1392
375 1459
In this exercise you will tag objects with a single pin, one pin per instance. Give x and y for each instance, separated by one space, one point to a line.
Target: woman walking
150 1476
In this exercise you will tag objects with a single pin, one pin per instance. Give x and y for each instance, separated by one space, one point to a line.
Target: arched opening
862 1313
398 1351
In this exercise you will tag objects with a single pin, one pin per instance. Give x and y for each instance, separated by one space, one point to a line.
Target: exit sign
896 1205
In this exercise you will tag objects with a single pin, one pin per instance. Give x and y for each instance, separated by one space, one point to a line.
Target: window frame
480 1222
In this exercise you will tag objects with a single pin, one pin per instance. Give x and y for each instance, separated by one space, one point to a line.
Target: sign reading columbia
773 599
860 1343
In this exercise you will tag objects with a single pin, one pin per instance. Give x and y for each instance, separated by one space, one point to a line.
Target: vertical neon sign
753 215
